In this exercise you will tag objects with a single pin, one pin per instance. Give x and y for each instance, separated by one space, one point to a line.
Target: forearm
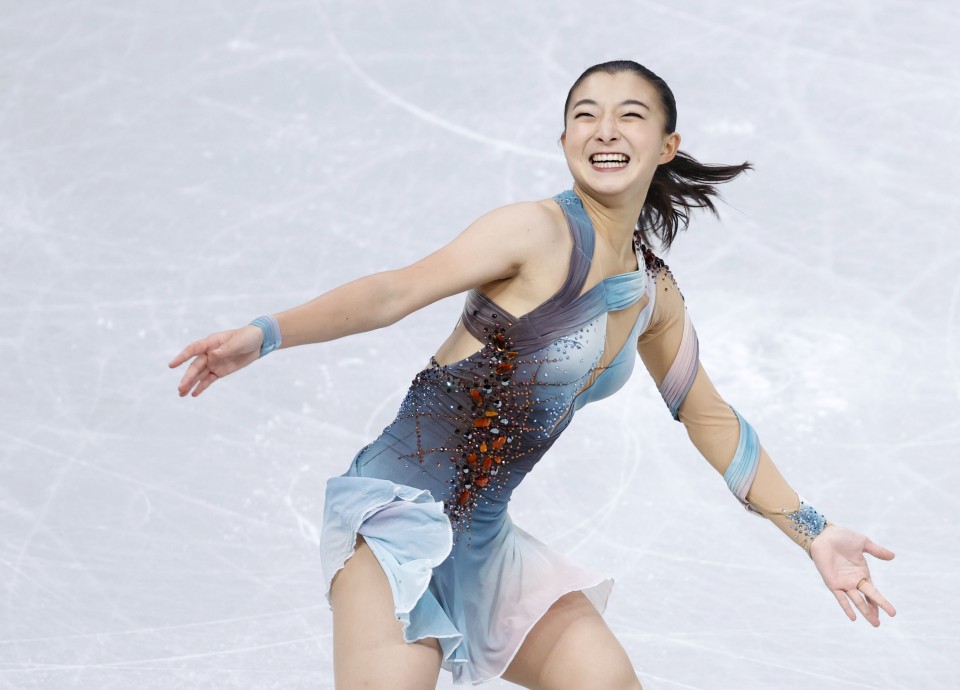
670 351
771 496
714 428
362 305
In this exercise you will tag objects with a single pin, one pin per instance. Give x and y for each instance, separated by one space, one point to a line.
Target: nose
607 129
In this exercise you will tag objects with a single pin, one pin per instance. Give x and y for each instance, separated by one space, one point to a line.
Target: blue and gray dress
430 494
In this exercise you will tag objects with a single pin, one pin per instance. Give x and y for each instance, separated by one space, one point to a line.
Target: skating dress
430 494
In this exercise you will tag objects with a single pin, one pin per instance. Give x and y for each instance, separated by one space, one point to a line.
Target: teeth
609 160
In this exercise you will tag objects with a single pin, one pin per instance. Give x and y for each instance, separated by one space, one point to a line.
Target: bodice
474 428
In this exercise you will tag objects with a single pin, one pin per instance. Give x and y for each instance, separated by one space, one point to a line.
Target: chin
609 187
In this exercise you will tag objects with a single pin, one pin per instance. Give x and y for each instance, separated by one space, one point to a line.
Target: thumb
876 550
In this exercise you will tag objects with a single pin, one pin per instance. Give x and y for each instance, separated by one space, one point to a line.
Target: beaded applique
654 264
494 413
807 523
485 439
487 411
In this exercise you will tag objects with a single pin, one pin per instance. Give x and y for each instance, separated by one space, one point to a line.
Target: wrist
805 524
271 333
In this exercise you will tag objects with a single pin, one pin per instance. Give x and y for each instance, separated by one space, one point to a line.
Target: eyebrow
588 101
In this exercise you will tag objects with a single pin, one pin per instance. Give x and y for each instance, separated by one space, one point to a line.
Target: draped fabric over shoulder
430 494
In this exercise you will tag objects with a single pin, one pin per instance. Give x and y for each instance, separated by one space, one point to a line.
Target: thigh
571 647
368 646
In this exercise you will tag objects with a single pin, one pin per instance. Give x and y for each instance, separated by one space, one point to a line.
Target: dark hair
678 186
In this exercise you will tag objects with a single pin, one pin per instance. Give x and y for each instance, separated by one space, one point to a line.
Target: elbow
391 299
405 290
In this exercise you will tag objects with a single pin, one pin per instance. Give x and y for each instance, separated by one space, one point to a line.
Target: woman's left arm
670 351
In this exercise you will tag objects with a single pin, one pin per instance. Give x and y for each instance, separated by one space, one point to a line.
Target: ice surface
169 169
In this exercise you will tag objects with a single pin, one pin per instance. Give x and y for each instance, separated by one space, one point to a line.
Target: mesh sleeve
670 351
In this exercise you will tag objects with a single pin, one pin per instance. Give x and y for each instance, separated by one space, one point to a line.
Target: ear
563 138
671 144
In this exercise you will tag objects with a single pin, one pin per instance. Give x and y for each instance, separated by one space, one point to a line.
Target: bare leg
571 648
368 646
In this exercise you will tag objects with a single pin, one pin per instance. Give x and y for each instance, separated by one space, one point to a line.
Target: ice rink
168 169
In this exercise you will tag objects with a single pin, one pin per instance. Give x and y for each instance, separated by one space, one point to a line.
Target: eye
633 115
582 114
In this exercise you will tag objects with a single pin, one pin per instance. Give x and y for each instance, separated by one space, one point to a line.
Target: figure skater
424 567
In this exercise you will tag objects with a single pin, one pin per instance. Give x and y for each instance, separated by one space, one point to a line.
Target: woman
424 567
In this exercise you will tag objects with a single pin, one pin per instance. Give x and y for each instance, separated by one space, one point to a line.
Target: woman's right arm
492 248
495 247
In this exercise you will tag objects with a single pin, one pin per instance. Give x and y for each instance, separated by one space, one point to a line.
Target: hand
216 356
838 554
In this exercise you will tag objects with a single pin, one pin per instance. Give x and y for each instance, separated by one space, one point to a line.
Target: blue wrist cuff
808 522
271 333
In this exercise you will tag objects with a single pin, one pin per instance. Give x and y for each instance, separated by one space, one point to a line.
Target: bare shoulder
539 217
538 243
526 225
498 246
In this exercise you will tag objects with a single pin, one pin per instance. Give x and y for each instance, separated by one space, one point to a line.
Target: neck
613 217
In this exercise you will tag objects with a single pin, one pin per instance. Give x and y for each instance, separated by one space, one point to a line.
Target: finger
844 604
198 347
191 350
875 549
192 375
205 383
873 613
186 385
868 610
873 594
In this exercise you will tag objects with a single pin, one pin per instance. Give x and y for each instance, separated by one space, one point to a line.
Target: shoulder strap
581 229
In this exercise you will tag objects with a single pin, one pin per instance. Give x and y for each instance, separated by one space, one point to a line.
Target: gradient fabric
459 569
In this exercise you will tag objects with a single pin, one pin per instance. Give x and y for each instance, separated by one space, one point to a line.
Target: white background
172 168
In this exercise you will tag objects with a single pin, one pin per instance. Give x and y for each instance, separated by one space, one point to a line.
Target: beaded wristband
807 523
271 333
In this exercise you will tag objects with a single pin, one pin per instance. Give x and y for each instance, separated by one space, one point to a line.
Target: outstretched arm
670 351
495 247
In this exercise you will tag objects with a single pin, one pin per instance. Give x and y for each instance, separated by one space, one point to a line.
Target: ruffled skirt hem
409 534
481 624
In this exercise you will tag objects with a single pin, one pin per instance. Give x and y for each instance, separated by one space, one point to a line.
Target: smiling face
614 137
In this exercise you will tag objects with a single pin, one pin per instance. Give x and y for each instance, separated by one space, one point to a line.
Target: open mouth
609 160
